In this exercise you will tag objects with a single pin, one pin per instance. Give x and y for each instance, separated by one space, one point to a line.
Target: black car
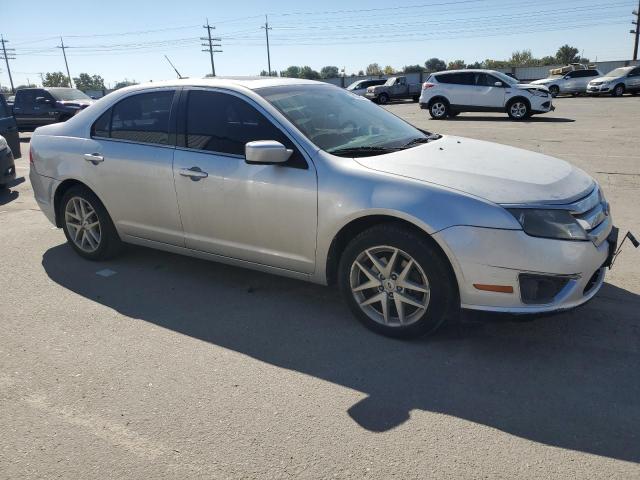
7 166
35 107
9 128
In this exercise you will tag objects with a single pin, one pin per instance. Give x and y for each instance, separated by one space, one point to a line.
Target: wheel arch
441 98
61 190
518 97
360 224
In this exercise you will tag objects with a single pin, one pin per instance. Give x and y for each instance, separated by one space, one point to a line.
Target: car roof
251 83
467 70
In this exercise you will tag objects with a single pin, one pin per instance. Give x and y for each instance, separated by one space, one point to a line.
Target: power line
210 47
6 56
266 31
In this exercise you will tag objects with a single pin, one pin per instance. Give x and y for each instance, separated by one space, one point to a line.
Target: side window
224 123
4 110
101 127
143 118
444 78
570 75
594 73
634 73
24 98
485 80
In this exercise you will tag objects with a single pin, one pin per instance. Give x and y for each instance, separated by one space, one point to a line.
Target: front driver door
264 214
484 92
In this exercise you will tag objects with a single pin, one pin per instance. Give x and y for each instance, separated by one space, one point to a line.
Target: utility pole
266 31
636 22
174 68
210 46
64 54
7 57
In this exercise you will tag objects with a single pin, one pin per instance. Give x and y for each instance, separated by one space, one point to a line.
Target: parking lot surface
155 365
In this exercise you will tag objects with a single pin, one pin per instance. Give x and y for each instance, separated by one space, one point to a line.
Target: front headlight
539 93
557 224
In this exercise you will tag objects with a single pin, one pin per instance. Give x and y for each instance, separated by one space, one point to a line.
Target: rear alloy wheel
396 283
87 225
439 110
518 110
554 90
383 99
618 91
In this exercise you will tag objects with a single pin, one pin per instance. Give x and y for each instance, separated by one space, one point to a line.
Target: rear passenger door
633 79
129 163
457 87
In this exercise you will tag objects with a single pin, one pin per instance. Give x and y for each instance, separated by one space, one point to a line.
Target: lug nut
380 288
394 277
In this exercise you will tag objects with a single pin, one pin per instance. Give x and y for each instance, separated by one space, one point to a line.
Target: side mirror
266 152
498 84
41 100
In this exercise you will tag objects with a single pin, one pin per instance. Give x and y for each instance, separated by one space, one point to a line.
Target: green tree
28 85
475 65
412 69
291 72
567 54
435 65
264 73
124 83
309 73
89 82
522 58
55 79
548 60
361 73
389 70
374 69
329 72
494 64
456 65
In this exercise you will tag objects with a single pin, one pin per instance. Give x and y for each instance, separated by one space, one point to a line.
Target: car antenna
174 67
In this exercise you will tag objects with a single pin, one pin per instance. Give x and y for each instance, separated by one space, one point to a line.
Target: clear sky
128 39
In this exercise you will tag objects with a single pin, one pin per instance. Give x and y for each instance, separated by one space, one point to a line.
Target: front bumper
483 256
7 167
597 89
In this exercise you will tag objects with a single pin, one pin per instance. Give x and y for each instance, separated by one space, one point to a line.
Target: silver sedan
304 179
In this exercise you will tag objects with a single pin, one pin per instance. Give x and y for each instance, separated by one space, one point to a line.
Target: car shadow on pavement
570 380
485 118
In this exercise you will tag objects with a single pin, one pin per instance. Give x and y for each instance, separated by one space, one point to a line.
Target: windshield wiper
420 140
362 151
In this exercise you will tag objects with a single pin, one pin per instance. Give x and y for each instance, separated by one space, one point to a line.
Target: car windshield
68 94
390 82
618 72
355 85
505 78
341 123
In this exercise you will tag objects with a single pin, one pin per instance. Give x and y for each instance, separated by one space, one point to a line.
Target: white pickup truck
394 88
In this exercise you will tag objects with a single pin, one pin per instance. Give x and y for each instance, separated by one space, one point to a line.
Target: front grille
592 213
546 104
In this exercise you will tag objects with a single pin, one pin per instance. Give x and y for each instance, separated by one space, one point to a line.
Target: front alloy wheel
518 110
389 286
438 110
618 91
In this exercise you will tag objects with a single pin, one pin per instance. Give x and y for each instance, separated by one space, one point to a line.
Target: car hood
604 78
530 86
544 81
498 173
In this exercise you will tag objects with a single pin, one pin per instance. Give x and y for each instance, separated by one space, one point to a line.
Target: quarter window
223 123
138 118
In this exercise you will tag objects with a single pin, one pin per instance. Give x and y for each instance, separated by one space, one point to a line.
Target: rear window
459 78
140 118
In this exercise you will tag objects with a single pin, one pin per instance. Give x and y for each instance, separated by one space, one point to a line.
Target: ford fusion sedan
446 94
303 179
616 82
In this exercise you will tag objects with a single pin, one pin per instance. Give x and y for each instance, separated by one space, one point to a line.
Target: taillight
426 85
30 155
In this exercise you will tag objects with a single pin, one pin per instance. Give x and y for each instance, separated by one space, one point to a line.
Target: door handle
194 173
94 158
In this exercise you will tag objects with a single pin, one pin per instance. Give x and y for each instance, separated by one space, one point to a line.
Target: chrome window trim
121 140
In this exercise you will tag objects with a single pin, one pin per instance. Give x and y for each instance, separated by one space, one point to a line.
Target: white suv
446 94
574 82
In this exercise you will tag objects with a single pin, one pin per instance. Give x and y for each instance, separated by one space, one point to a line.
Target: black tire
439 109
443 300
618 90
3 186
415 98
453 114
554 90
516 113
110 243
383 99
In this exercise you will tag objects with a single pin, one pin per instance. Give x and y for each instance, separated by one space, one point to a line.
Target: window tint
634 73
143 118
25 97
461 78
101 126
224 123
485 80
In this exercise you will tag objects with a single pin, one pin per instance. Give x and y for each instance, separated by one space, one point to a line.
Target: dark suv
8 127
35 107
